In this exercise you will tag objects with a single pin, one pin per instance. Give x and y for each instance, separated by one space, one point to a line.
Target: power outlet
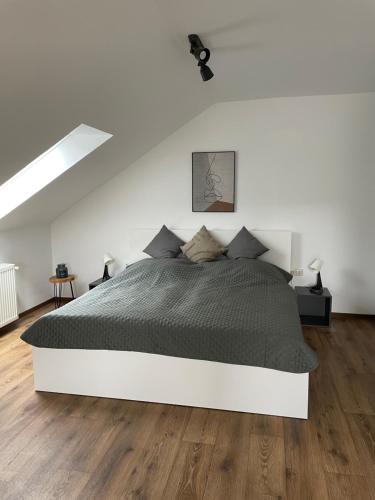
296 272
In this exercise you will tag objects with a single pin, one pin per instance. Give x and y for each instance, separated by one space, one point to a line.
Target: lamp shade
108 259
206 73
316 265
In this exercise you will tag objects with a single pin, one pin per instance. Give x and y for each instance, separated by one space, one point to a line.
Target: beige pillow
202 247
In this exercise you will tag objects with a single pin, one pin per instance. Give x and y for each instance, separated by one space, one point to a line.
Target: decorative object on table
202 55
245 246
314 310
316 265
58 284
61 271
108 259
213 181
164 245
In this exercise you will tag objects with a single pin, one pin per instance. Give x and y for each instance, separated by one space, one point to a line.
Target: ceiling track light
202 55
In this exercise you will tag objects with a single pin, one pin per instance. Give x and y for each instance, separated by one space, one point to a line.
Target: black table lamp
108 259
316 265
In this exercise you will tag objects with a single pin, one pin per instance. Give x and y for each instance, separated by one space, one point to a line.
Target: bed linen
231 311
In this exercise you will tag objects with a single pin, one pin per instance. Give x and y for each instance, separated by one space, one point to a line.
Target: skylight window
48 166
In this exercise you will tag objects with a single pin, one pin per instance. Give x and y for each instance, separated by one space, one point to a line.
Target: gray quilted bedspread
232 311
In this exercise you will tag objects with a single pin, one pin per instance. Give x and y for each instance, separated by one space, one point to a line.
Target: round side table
58 284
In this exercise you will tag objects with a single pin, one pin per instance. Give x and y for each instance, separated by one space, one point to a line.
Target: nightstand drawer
314 309
309 306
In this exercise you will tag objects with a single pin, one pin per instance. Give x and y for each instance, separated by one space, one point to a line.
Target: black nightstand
314 310
96 283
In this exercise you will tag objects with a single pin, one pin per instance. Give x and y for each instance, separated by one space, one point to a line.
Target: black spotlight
206 73
202 55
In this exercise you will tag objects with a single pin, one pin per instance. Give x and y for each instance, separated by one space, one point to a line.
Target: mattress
231 311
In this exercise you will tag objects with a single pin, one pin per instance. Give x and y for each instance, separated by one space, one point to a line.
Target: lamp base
106 275
318 288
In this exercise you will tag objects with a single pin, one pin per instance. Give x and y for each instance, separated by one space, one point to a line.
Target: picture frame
213 181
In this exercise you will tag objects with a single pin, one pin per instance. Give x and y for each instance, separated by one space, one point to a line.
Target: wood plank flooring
73 447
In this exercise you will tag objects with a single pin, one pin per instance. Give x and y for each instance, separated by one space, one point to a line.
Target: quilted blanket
231 311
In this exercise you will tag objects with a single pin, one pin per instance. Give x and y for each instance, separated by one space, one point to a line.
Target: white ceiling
124 67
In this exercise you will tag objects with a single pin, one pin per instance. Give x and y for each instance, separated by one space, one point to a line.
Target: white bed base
165 379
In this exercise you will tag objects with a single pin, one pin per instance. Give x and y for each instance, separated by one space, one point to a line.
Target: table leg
71 288
60 292
55 295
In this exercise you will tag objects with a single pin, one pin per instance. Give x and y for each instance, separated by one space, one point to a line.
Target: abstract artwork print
213 181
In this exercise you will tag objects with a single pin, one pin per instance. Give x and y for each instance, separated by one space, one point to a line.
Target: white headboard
278 242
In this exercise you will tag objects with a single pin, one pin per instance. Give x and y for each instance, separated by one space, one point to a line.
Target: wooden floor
61 446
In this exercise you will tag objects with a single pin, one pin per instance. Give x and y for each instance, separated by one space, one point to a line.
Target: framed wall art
213 181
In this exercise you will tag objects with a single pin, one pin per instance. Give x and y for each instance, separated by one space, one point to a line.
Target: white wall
305 164
30 249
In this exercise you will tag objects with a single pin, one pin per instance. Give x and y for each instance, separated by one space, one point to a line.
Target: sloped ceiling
124 67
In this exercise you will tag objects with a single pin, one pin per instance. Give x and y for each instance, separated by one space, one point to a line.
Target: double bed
223 334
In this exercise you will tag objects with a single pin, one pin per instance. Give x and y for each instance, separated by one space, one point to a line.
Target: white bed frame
166 379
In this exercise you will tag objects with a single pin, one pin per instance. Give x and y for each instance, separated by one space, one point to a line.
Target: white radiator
8 297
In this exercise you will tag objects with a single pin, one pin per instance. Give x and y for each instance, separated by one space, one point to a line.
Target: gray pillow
165 245
245 245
